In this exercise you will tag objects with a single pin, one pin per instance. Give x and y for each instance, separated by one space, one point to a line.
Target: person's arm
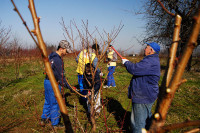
77 58
97 84
59 73
114 57
95 61
141 68
66 84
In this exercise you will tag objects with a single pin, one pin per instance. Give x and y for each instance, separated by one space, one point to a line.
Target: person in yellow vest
86 56
111 58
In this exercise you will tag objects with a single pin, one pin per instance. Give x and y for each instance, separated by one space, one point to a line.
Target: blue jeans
51 108
80 82
110 77
140 117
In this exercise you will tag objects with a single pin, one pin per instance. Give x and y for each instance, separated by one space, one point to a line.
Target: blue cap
154 46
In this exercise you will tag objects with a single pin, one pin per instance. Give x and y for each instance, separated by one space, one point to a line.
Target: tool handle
117 53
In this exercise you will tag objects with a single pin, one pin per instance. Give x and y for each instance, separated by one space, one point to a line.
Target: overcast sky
103 14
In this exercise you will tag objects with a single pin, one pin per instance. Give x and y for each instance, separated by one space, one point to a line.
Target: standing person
111 58
51 110
89 83
86 56
143 88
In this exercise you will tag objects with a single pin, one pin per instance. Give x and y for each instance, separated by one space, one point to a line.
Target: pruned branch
24 22
173 49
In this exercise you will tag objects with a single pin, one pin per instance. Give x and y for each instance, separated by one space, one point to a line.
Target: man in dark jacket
143 88
51 110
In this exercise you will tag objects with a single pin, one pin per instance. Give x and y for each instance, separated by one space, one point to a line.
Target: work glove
101 74
74 88
89 93
124 60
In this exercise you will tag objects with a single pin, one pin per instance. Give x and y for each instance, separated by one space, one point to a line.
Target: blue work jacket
57 66
144 86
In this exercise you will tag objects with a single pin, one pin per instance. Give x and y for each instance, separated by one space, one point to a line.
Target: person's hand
101 74
89 93
124 60
75 88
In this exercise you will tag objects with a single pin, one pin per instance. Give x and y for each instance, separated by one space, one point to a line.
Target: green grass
22 99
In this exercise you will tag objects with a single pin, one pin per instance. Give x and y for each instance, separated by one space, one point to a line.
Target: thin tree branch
161 4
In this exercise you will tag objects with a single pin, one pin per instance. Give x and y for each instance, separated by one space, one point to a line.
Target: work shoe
60 125
43 122
106 86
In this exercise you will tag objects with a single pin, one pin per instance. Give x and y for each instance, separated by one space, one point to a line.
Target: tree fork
164 103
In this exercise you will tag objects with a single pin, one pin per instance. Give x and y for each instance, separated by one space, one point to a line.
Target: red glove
75 88
89 93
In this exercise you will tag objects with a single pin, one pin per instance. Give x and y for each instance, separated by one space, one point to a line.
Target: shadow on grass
10 126
14 81
66 101
163 67
119 112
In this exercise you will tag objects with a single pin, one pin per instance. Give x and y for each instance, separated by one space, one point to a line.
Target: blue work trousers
51 108
140 117
80 82
110 77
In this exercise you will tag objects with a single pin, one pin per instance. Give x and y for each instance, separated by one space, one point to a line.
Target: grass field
22 99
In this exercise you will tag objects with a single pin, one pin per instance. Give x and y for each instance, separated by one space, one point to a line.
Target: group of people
143 89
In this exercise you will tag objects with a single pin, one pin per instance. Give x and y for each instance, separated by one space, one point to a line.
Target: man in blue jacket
51 110
143 88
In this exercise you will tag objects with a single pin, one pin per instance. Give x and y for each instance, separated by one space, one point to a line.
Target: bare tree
160 17
4 34
173 79
87 40
4 37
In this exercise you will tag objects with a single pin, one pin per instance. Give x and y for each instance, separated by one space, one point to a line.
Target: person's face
63 51
109 49
148 50
88 70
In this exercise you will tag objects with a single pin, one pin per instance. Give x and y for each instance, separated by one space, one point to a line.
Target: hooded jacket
57 66
88 84
144 86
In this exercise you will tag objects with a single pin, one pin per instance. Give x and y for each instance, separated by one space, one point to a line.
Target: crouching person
89 83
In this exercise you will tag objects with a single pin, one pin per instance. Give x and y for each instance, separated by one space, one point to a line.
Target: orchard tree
4 36
160 16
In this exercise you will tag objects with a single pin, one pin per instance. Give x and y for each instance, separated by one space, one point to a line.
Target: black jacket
57 66
87 82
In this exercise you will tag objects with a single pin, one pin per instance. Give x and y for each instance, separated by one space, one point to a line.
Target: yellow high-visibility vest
84 58
110 55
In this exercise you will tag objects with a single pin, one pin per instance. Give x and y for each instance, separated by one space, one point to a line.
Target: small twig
161 4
